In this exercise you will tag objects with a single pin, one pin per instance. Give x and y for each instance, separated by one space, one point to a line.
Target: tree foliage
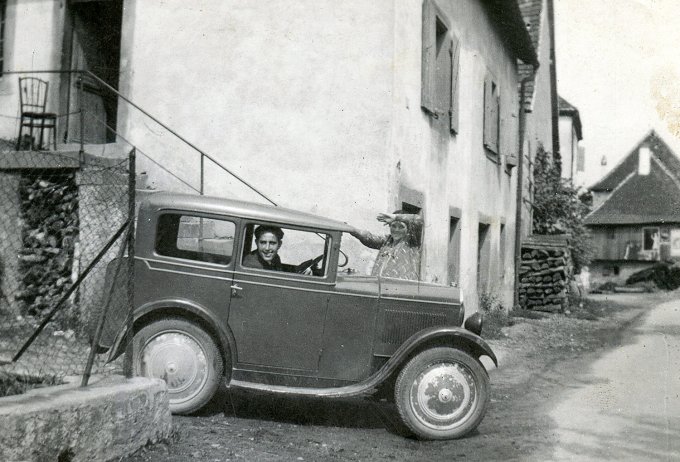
558 208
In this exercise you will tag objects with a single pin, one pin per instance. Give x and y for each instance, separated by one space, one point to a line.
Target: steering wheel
310 264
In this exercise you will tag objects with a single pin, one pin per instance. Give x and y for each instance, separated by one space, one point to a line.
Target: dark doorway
92 42
483 258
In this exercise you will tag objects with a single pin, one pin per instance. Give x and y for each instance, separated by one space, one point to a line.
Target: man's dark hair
275 230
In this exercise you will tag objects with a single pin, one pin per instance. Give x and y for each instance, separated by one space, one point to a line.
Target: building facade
343 109
635 222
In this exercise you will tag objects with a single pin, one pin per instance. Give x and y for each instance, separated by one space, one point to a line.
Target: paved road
627 406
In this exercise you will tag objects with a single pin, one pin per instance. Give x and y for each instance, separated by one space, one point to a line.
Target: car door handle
234 290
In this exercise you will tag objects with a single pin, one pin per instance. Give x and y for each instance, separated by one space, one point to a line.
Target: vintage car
314 327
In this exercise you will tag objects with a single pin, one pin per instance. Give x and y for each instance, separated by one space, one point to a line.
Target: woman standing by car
399 251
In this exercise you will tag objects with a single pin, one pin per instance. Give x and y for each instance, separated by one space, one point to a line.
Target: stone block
104 421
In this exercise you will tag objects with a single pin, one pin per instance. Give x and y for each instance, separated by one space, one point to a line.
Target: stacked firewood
544 277
49 214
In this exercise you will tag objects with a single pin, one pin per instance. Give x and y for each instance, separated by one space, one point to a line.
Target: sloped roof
566 108
639 199
507 16
531 12
629 164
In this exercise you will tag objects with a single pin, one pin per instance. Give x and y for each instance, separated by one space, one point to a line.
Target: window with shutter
439 71
455 72
491 115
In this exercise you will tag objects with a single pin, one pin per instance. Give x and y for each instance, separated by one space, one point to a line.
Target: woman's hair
414 232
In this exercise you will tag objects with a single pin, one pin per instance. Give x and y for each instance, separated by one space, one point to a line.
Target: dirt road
629 405
541 359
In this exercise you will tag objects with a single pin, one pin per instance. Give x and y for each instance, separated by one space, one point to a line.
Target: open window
195 238
274 248
492 112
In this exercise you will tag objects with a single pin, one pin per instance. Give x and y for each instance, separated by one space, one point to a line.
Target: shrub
559 209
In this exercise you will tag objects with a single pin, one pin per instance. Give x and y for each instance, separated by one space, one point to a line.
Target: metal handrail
203 154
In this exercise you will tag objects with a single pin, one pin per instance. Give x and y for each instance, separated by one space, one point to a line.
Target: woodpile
544 276
49 222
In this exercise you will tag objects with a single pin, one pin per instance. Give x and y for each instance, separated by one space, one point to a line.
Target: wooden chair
33 101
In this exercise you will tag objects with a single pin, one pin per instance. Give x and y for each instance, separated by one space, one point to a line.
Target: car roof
243 209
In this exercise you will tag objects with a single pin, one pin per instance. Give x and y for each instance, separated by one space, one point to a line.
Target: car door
185 258
277 317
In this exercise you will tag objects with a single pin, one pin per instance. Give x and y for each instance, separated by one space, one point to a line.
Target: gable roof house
635 222
344 109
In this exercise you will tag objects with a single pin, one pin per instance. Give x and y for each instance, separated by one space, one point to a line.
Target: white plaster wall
34 37
538 130
568 146
454 171
294 97
318 104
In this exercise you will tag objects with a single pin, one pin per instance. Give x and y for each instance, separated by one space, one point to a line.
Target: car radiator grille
400 325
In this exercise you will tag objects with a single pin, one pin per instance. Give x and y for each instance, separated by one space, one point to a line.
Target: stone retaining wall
101 422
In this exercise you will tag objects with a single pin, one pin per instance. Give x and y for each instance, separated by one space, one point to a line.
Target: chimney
644 155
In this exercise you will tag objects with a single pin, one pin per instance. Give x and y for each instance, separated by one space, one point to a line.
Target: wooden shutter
496 135
487 113
455 60
428 65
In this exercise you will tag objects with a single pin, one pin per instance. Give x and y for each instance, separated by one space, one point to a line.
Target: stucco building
571 150
538 99
344 109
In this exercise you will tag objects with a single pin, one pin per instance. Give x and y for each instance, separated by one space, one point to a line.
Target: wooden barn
635 222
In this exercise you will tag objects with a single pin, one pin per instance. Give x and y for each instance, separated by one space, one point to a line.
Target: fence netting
66 221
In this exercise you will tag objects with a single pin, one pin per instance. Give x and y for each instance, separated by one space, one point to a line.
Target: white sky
618 62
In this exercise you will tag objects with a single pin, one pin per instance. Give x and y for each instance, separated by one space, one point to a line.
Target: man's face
268 246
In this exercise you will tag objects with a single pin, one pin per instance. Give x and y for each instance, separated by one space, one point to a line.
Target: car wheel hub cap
443 396
178 359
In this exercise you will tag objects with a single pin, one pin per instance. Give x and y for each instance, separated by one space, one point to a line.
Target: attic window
440 67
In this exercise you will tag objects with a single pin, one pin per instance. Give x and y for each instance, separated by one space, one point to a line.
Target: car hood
418 290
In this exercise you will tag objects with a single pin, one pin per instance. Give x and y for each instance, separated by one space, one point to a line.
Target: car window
303 252
195 238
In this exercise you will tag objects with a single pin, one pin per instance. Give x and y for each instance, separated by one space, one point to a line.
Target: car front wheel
182 354
442 393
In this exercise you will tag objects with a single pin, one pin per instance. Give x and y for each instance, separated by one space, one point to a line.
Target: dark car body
333 334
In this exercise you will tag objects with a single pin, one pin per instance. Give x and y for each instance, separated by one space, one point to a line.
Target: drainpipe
553 89
520 188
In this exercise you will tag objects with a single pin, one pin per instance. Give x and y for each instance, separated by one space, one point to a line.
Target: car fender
179 307
454 336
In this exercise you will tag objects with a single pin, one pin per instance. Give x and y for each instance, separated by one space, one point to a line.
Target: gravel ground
540 358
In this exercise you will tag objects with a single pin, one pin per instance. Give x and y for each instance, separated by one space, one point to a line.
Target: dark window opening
195 238
454 251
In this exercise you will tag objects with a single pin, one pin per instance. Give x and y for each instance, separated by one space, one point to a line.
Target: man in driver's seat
268 240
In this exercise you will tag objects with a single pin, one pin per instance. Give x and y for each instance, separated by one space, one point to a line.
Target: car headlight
474 323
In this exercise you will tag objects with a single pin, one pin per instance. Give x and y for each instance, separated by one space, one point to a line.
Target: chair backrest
32 94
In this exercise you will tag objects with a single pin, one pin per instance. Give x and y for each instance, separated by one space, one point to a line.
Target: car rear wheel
442 393
185 356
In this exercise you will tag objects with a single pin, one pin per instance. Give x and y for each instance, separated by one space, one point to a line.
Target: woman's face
398 230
